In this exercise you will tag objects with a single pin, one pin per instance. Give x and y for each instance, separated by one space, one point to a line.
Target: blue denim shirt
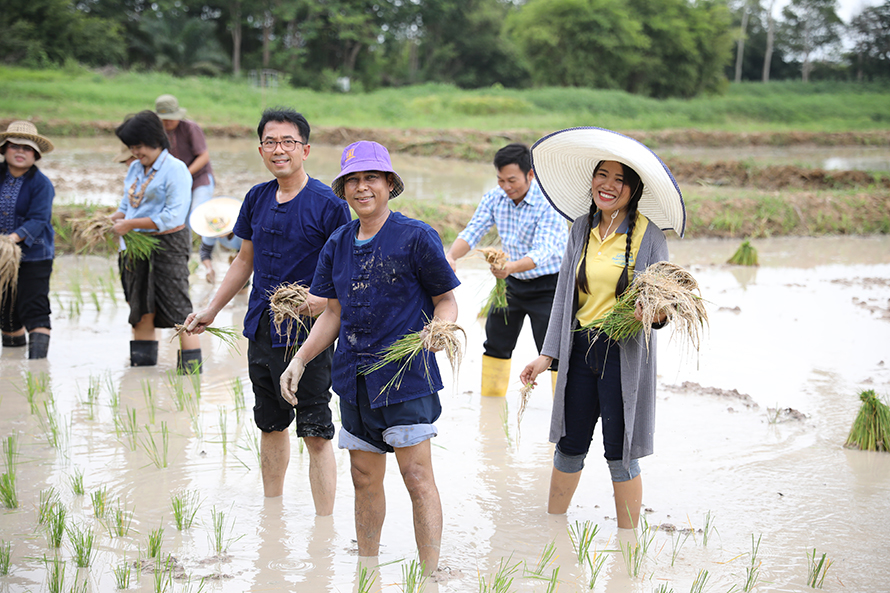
167 198
287 239
33 215
385 288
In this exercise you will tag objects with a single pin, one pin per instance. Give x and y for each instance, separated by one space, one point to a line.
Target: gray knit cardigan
637 366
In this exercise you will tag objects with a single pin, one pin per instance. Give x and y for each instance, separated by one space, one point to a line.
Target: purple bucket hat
365 155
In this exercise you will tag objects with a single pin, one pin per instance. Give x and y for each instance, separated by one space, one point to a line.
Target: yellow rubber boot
553 380
495 376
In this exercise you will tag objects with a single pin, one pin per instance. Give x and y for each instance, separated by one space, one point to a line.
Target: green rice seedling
437 335
109 287
677 541
663 288
553 581
871 428
99 499
502 580
197 587
113 392
163 575
177 390
139 246
48 498
228 335
366 579
76 482
581 535
96 302
155 539
119 520
752 572
817 568
56 525
34 385
223 433
185 505
55 427
127 427
708 530
11 452
220 539
83 541
698 585
196 383
8 494
237 388
413 580
665 588
150 404
497 298
157 454
5 557
633 558
76 293
55 574
745 255
122 574
74 308
544 560
595 562
79 586
300 444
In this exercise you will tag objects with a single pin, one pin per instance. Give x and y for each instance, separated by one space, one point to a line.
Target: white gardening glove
290 380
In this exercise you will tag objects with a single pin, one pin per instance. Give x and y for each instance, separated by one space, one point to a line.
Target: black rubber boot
188 361
14 341
38 346
143 353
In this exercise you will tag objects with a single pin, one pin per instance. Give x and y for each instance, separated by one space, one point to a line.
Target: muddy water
838 158
807 330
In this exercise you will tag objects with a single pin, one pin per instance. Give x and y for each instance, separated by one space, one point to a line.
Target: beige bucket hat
167 107
24 132
216 217
124 155
564 162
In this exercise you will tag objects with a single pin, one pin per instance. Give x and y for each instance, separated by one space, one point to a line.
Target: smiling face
19 157
514 182
610 192
281 163
367 193
146 154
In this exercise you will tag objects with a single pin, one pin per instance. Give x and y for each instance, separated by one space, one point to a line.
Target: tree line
659 48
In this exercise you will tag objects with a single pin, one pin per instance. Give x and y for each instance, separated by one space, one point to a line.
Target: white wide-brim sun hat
215 217
564 162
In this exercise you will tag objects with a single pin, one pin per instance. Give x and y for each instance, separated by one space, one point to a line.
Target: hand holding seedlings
535 368
196 323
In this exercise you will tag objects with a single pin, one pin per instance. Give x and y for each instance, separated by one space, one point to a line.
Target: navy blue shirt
32 215
385 288
287 239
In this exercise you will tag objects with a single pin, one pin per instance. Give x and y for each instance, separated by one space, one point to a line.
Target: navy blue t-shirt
385 288
287 239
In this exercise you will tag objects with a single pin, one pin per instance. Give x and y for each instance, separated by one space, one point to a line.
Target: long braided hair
632 179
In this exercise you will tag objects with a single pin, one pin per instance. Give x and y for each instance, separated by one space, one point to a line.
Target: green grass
5 557
73 98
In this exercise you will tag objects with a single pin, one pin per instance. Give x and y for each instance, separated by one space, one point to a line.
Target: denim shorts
383 429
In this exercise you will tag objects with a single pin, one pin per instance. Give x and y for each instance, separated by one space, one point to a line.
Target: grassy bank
710 213
77 101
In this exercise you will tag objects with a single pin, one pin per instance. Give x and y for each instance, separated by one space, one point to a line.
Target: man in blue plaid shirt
534 236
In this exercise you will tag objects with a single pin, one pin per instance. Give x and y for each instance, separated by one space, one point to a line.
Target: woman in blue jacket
26 203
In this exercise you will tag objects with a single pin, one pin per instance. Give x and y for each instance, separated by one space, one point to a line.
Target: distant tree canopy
660 48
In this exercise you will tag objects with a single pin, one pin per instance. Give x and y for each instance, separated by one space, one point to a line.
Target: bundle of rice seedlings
97 230
229 335
871 428
662 288
745 255
285 303
437 335
497 298
10 256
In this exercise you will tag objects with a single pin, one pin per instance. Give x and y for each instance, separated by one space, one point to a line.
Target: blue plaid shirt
533 229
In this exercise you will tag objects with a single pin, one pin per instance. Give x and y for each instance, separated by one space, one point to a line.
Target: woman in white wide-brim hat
620 197
215 220
26 203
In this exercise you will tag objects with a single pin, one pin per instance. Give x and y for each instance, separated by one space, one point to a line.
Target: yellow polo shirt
605 261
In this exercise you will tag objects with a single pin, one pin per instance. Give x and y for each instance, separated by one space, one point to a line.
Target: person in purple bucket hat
385 276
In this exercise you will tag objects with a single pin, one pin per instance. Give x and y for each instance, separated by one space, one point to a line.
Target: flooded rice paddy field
803 334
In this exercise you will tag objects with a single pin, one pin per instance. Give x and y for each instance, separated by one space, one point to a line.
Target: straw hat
216 217
124 155
24 132
167 107
366 155
564 162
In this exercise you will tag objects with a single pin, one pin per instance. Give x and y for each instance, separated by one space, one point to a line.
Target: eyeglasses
22 147
287 145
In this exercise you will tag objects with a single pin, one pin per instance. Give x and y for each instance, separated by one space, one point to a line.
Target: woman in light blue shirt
157 195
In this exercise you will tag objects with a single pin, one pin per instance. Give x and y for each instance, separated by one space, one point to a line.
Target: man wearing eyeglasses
284 223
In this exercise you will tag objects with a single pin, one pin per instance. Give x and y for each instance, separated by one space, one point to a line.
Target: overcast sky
848 8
